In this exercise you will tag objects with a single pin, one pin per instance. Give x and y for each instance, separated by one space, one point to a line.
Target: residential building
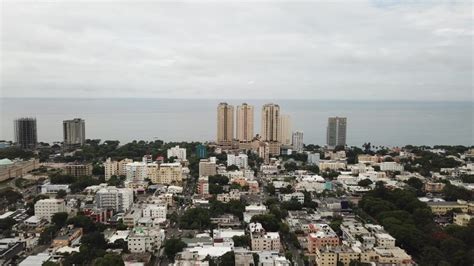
201 151
110 168
207 167
252 210
232 195
142 240
46 208
117 199
169 173
26 133
122 166
179 153
298 145
74 132
262 240
136 171
384 240
155 212
78 170
434 187
244 122
225 123
48 188
313 158
203 186
243 257
17 168
442 207
332 165
240 160
336 255
336 131
270 123
321 235
462 219
65 238
298 196
391 166
285 130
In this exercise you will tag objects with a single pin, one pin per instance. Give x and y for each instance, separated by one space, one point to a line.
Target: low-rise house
234 194
69 236
298 196
252 210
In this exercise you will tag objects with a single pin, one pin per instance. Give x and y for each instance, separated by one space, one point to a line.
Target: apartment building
169 173
46 208
244 122
78 170
322 235
262 240
142 240
240 160
117 199
179 153
207 167
155 212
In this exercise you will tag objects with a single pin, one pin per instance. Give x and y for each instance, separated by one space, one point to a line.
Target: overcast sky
414 50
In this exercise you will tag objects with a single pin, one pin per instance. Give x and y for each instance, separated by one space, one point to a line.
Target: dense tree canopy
195 218
173 246
411 223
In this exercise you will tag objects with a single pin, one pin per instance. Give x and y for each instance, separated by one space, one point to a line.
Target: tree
61 194
195 218
271 189
109 259
94 240
219 180
47 235
83 221
232 168
364 182
291 166
241 241
269 222
415 183
173 246
59 219
227 259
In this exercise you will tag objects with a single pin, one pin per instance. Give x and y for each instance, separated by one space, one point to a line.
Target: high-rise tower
244 122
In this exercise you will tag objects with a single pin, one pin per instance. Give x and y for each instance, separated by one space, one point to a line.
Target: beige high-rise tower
271 122
285 130
225 123
244 122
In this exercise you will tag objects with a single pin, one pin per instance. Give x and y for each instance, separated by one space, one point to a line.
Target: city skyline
290 133
313 54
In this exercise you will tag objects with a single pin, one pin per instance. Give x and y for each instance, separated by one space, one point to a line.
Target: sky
347 50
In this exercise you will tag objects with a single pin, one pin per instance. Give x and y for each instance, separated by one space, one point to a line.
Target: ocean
388 123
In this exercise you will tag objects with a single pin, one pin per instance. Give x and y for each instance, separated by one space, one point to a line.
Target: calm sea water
381 123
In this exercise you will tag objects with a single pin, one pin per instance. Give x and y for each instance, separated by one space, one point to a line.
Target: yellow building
462 219
244 122
331 255
169 173
225 123
441 208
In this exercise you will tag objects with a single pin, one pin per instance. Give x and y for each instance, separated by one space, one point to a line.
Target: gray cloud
323 50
